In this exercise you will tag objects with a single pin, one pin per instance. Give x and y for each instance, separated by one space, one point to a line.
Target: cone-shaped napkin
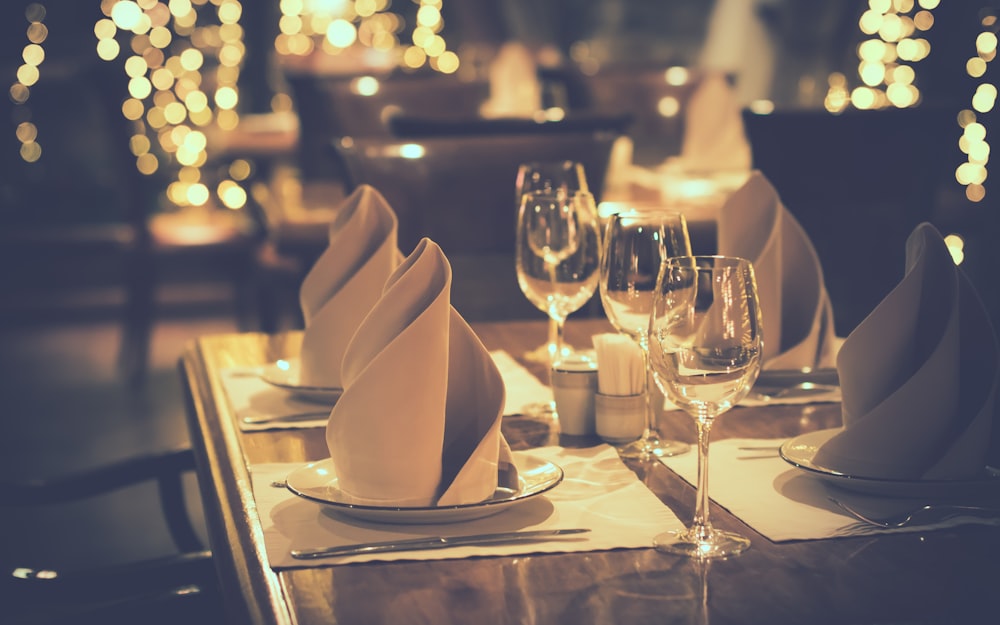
918 376
344 283
419 421
794 304
714 138
514 87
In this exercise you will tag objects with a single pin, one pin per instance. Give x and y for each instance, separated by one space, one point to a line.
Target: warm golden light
676 76
126 14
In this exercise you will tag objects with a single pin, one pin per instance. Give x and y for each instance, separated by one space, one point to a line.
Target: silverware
932 513
781 378
800 389
432 542
295 416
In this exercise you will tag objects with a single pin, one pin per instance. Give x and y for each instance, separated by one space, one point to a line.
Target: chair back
460 192
858 182
333 106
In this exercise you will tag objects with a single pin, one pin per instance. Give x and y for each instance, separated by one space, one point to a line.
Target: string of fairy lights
183 59
972 173
335 25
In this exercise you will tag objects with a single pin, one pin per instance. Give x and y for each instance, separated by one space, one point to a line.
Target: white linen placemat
783 503
598 492
251 397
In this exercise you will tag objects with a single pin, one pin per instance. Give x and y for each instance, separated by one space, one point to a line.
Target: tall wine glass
557 254
552 177
636 242
705 349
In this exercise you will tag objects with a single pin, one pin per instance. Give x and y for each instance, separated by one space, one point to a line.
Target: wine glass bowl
705 348
636 242
564 178
557 253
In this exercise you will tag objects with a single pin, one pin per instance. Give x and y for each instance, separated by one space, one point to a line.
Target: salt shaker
574 384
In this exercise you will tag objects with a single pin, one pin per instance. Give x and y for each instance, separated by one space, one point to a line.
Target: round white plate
284 374
801 450
318 481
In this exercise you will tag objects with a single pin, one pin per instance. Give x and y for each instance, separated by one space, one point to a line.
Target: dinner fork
930 513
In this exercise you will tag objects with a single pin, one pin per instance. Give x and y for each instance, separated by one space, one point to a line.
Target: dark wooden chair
83 221
639 90
858 182
460 192
334 106
181 587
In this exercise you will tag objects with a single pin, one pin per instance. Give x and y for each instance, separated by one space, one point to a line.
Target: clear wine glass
552 177
636 242
705 349
557 253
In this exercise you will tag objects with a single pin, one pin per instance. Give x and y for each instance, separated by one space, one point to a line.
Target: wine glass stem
647 388
700 524
556 322
556 326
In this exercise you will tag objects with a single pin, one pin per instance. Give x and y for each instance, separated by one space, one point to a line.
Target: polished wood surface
943 576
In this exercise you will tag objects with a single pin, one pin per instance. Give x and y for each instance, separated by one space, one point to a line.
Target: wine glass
705 349
553 177
557 253
636 241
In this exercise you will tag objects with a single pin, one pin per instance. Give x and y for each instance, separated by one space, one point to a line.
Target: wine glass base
545 354
712 544
541 410
651 447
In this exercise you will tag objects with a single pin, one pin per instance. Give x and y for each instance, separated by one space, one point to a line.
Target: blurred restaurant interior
170 169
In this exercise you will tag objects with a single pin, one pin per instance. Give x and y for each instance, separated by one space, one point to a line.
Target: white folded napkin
515 90
419 421
714 138
919 376
598 492
794 304
345 281
748 478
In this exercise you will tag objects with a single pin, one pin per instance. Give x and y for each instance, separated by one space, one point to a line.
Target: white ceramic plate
318 481
801 450
284 374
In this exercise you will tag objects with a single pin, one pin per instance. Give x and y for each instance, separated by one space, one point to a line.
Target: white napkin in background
794 304
419 421
782 502
515 90
714 138
344 282
919 376
598 492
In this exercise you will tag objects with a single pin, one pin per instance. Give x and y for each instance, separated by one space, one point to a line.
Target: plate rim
294 362
429 510
992 477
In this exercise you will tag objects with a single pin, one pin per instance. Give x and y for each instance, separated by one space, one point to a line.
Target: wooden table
944 576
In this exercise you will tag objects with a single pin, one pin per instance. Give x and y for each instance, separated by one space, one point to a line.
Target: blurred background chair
460 192
654 95
180 587
362 105
858 182
90 234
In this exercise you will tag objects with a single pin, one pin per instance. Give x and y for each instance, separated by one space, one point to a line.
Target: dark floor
65 407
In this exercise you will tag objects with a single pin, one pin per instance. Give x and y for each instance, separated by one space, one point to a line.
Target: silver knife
314 415
790 377
432 542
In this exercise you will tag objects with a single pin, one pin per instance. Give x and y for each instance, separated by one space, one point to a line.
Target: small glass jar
574 384
620 418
